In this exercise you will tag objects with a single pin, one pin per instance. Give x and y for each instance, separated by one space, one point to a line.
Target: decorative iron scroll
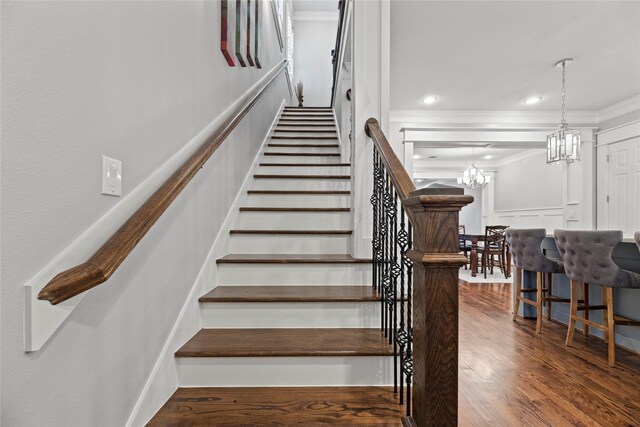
392 275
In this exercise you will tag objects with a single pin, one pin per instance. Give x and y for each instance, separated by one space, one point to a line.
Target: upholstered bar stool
524 245
587 259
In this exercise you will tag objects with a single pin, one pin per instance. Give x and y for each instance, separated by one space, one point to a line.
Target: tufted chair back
524 244
587 258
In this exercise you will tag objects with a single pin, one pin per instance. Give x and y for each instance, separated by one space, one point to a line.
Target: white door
624 186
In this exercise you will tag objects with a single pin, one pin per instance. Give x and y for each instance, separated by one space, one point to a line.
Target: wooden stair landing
285 342
282 406
276 293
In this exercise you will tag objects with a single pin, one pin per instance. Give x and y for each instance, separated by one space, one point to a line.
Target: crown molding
619 108
315 16
492 118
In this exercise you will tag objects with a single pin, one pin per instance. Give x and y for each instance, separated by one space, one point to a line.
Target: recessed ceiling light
429 99
488 156
416 156
532 100
419 180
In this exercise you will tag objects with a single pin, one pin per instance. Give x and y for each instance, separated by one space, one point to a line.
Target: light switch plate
111 176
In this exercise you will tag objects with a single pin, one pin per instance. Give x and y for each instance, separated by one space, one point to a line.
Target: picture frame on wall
277 7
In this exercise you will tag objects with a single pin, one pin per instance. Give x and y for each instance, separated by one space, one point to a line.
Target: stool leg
585 297
518 283
549 294
611 328
573 312
539 303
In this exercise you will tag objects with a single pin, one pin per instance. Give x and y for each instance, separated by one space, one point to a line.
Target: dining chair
494 245
464 247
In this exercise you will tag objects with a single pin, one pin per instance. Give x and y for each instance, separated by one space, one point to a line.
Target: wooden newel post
436 261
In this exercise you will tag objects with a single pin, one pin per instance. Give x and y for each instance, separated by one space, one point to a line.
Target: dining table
474 239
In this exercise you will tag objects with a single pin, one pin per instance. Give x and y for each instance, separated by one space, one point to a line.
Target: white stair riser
306 150
306 134
300 159
294 274
285 371
293 221
303 170
300 184
306 121
328 128
289 244
291 315
299 200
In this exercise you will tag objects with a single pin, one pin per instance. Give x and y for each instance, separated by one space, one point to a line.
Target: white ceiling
491 55
465 154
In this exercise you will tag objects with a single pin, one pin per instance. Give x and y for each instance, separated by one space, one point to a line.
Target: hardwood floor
509 376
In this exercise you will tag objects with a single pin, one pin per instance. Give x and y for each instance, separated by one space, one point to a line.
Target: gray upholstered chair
587 259
524 245
637 237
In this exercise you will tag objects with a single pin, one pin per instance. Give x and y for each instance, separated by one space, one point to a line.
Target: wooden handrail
401 179
433 213
108 258
342 4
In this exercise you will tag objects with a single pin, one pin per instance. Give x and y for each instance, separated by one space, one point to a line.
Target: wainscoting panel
549 218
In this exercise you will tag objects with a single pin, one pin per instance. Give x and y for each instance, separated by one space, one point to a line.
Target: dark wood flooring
509 376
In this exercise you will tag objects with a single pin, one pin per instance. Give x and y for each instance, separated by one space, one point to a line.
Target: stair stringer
163 379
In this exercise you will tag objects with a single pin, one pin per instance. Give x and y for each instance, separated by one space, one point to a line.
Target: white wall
313 42
528 183
135 81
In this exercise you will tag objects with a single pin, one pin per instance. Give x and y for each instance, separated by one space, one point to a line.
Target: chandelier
472 177
564 144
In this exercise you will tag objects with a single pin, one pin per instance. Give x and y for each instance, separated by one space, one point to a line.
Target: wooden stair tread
303 154
309 125
304 145
292 232
302 119
280 406
305 192
307 164
289 176
305 137
285 342
293 209
291 259
305 131
349 293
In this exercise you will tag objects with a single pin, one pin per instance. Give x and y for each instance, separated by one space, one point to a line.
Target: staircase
291 331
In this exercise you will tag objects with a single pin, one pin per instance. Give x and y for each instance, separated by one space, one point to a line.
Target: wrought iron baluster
375 201
393 303
407 363
405 264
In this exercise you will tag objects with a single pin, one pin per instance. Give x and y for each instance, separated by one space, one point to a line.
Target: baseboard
163 379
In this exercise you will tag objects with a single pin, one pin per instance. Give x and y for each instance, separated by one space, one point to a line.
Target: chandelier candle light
473 177
564 144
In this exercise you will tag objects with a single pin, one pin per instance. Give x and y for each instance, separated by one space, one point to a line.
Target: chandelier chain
564 120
